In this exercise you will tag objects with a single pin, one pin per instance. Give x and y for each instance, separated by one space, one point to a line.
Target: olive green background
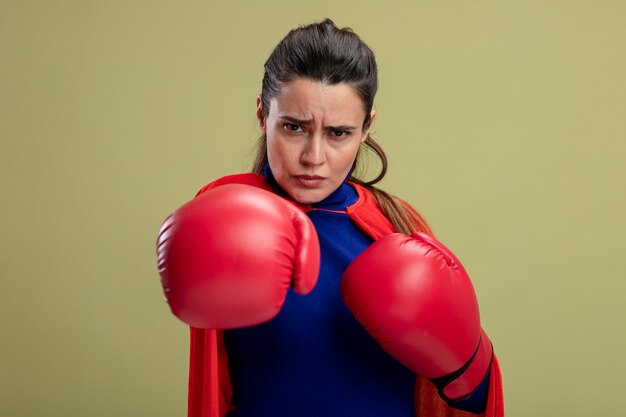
504 123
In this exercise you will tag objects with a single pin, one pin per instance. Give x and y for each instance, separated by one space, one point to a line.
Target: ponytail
404 218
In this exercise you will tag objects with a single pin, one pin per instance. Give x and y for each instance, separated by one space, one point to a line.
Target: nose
313 153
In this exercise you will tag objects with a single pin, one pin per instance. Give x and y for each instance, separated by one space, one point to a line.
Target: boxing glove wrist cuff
461 383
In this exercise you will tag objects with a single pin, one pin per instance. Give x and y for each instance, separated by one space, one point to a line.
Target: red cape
209 383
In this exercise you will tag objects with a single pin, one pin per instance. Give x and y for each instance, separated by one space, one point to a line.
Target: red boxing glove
228 257
415 298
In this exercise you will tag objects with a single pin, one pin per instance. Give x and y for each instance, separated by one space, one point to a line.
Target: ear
366 131
259 112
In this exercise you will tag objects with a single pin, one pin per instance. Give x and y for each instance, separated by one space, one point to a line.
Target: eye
336 133
292 127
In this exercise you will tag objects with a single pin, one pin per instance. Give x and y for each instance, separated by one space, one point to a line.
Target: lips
309 177
309 181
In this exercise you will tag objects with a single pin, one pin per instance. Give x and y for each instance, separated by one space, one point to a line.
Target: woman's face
313 134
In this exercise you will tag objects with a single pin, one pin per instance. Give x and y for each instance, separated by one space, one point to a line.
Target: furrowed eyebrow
342 127
297 121
308 122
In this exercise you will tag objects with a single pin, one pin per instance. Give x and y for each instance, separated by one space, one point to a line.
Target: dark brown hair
322 52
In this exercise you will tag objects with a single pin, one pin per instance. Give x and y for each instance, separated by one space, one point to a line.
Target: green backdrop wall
504 122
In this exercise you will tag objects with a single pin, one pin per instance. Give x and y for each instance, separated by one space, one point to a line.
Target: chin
309 197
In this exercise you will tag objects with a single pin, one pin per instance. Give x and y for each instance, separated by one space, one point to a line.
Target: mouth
309 181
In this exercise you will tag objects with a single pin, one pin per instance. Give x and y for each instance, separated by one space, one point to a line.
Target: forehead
307 99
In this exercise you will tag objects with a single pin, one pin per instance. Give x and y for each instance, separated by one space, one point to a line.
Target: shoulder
254 180
367 214
248 178
418 221
369 205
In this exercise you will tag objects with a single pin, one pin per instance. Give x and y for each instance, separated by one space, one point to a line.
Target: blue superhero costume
313 359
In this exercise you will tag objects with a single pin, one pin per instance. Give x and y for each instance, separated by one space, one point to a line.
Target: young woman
301 297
